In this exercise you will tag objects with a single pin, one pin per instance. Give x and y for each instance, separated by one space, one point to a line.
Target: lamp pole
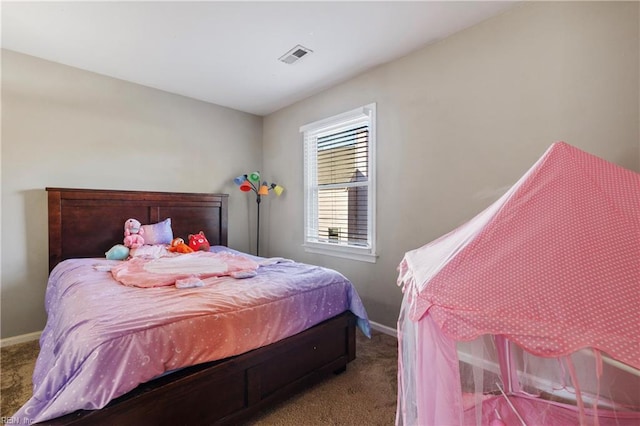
246 183
258 226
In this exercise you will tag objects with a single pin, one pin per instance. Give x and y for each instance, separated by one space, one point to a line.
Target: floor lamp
251 182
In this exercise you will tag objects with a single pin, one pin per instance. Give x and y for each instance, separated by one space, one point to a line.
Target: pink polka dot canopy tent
528 313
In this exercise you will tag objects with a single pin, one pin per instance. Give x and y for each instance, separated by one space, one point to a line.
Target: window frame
311 132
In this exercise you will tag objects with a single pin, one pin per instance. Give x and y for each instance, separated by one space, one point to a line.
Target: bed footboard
230 390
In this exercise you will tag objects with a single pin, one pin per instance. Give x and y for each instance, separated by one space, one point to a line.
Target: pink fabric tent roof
554 264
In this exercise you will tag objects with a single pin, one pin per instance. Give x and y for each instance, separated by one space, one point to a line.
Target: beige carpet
16 368
364 395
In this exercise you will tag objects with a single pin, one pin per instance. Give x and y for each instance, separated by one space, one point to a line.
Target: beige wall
458 122
461 120
69 128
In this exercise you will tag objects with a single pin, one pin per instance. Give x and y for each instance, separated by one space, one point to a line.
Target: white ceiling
227 52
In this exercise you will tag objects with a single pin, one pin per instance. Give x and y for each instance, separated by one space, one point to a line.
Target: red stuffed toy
198 242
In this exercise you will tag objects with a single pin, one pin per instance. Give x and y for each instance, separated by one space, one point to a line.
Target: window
339 171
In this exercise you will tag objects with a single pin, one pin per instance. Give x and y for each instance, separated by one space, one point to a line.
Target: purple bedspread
102 339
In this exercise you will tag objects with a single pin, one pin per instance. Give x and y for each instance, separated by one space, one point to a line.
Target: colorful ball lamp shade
251 182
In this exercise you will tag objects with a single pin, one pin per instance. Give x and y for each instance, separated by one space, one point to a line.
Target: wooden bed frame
86 223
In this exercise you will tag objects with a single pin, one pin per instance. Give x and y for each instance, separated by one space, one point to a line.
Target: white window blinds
339 197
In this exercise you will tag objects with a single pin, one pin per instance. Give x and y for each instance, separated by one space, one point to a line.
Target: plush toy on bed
199 242
178 246
117 252
133 232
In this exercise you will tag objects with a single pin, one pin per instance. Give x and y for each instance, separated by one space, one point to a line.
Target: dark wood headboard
88 222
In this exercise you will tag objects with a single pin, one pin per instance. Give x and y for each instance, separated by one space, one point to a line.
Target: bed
317 339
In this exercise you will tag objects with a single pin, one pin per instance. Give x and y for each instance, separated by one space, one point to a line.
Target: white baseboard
20 339
384 329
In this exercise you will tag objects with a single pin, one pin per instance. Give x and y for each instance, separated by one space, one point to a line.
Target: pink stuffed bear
133 232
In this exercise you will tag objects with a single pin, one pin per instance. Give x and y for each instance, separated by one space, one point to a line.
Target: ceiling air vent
295 54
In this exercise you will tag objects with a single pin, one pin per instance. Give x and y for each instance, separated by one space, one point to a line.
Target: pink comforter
163 271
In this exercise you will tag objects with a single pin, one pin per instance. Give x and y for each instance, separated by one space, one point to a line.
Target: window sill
362 255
